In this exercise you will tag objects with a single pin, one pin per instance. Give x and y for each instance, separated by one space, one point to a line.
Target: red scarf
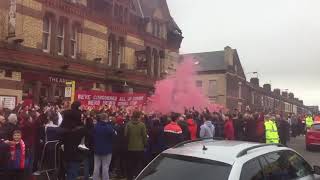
22 155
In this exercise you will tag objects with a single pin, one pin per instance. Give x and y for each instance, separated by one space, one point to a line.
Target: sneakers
37 173
83 147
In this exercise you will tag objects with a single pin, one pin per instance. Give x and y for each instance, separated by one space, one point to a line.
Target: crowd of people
116 142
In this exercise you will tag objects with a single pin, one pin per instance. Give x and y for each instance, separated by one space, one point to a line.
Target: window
285 165
46 33
110 50
8 73
252 98
316 127
199 83
60 38
74 41
298 167
251 170
183 167
240 91
121 49
212 90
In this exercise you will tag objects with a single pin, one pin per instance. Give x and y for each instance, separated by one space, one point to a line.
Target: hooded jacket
74 131
207 130
192 126
103 135
136 133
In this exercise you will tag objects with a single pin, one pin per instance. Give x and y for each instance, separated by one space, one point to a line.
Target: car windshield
316 127
175 167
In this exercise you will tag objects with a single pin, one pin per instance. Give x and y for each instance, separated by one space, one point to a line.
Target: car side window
251 170
298 167
277 167
284 165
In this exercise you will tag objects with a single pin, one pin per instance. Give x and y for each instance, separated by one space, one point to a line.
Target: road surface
298 144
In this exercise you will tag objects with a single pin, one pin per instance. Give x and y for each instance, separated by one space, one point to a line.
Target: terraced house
99 44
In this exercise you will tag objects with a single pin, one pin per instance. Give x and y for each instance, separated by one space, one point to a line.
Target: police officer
271 130
309 121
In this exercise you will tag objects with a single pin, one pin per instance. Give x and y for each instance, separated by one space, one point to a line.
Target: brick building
99 44
222 79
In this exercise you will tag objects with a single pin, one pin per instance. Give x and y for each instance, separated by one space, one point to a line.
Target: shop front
40 88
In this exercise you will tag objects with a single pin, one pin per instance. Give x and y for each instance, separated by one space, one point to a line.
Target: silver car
210 159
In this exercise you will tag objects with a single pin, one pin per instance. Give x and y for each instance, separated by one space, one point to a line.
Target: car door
285 165
298 167
252 170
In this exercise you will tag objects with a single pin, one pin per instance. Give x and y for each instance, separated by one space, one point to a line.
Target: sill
45 50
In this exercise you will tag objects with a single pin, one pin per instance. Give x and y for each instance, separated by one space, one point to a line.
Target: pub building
105 45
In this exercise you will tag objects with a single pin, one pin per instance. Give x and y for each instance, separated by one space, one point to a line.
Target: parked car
229 160
313 136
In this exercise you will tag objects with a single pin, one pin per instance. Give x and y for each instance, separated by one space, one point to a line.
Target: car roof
219 150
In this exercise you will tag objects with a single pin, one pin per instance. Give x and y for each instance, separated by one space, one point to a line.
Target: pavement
298 144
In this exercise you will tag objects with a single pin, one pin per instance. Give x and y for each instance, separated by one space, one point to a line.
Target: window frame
199 82
48 33
253 159
61 37
74 39
281 151
211 90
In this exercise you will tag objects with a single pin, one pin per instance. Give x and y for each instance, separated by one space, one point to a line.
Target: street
298 144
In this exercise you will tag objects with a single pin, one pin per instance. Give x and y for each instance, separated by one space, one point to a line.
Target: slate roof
209 61
149 6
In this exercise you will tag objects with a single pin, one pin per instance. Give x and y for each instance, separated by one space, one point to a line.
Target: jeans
88 167
103 161
73 169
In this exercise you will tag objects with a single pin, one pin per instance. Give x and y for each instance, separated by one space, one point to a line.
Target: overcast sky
278 38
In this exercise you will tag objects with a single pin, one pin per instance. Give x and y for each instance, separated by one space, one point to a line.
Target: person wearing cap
271 130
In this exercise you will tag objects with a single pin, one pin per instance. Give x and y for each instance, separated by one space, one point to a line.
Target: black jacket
284 131
74 131
185 130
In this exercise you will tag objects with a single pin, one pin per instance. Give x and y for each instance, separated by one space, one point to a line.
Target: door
285 165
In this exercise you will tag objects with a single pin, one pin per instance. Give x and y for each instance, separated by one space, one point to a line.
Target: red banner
101 98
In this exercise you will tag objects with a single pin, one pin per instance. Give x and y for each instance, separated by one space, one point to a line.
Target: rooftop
209 61
217 150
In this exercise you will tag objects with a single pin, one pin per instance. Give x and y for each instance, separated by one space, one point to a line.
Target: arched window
60 37
75 41
46 34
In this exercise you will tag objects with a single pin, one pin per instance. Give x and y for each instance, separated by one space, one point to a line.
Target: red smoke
179 91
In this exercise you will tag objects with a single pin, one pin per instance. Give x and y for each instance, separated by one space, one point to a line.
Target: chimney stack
277 92
228 55
255 81
285 94
291 95
267 87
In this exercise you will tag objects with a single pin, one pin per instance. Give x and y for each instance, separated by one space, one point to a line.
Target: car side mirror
316 170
